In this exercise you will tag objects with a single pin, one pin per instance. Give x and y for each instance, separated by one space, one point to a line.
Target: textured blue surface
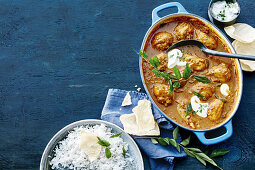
59 58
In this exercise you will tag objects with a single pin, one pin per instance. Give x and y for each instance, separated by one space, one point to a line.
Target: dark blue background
59 58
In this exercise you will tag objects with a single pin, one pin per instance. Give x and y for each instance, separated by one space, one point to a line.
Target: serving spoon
208 51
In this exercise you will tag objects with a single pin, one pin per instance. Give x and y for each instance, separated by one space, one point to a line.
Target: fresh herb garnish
108 153
154 141
218 152
202 79
116 135
103 142
175 133
142 54
176 84
199 95
166 76
221 98
154 61
201 108
192 152
171 86
188 109
186 72
177 73
106 144
171 56
171 79
124 152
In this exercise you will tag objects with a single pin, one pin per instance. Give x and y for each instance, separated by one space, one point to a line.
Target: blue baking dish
156 21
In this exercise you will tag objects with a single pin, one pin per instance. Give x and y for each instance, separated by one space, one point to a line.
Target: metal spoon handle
230 55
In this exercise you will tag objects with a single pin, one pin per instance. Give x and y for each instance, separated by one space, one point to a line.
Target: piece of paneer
163 94
206 39
221 73
215 109
205 89
195 63
184 31
181 108
162 41
163 61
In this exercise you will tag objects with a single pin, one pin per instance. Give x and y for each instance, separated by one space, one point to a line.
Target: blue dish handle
204 140
155 11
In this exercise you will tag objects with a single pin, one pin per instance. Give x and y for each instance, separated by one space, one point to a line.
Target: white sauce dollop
224 11
174 58
200 108
224 89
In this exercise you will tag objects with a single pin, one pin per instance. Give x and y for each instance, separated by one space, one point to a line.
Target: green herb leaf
201 79
166 76
176 84
178 148
142 54
189 109
154 141
185 142
145 55
186 72
218 152
171 86
116 135
172 142
108 153
221 98
103 142
123 151
175 132
193 112
206 158
156 72
177 72
171 56
199 95
195 150
154 61
201 160
162 141
170 76
190 153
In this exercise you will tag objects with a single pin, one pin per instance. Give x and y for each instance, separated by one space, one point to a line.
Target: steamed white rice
69 155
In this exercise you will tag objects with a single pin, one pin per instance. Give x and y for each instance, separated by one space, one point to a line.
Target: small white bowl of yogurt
223 12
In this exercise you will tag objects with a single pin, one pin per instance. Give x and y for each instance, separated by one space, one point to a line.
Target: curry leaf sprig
190 110
116 135
202 79
199 95
106 144
192 152
173 80
186 73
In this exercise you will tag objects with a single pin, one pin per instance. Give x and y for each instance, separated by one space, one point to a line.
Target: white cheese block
88 143
141 122
127 100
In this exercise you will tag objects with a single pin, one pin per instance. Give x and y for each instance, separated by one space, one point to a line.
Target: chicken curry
193 89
